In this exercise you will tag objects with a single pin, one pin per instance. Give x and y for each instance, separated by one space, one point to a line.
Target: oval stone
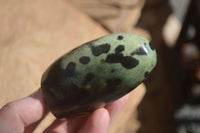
97 73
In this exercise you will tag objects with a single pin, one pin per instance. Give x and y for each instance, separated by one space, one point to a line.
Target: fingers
98 122
58 126
32 127
68 126
15 116
115 107
76 124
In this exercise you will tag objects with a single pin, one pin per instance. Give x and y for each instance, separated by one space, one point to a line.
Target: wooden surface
33 34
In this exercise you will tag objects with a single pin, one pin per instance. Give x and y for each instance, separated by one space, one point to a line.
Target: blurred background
34 33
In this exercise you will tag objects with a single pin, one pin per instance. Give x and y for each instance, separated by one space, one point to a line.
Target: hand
25 114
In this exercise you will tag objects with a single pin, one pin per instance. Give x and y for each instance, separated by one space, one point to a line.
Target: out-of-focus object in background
114 15
185 72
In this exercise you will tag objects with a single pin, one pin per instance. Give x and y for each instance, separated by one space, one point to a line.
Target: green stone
97 73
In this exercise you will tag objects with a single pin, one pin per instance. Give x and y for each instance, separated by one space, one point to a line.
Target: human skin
24 115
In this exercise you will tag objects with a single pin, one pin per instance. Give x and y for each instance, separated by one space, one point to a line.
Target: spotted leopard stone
97 73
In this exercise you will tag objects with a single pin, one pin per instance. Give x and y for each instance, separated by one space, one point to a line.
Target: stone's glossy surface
97 73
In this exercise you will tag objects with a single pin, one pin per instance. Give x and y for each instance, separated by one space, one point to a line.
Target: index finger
17 115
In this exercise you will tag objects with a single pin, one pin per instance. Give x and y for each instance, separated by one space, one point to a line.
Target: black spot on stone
113 82
100 49
114 58
127 62
69 71
88 78
146 74
112 71
119 49
151 46
140 51
84 60
120 37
